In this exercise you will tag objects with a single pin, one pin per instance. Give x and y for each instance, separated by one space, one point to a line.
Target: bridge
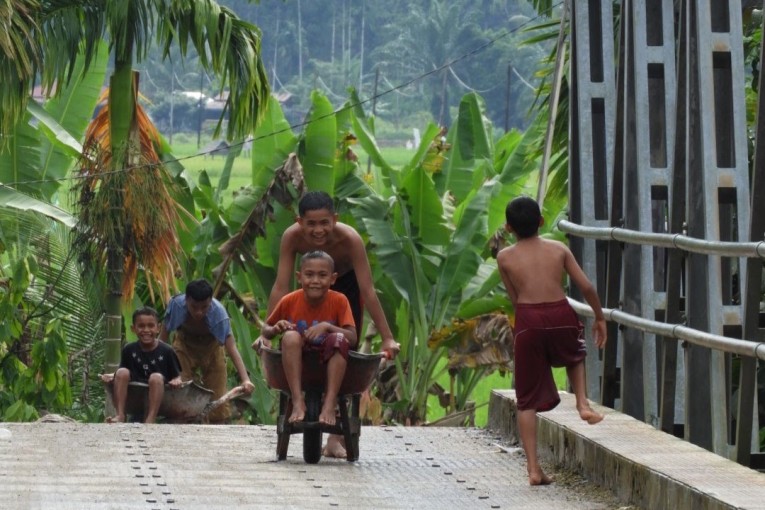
667 216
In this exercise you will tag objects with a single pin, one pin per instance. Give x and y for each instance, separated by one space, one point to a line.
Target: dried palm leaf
482 341
241 246
128 209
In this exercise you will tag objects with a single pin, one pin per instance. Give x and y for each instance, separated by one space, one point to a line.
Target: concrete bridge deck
131 466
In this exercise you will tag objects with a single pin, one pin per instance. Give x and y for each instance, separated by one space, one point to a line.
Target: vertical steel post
718 208
591 141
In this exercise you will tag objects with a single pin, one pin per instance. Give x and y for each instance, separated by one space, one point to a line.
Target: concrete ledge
640 464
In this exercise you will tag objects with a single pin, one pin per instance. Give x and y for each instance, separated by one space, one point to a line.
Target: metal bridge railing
682 242
677 331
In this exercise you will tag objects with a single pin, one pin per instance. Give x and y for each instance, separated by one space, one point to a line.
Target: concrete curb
640 464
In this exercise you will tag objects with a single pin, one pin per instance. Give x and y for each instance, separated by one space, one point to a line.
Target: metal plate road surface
133 466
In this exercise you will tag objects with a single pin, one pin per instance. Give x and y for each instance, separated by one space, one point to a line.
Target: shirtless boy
313 318
317 228
547 332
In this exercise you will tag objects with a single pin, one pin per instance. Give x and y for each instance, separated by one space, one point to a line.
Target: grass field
241 174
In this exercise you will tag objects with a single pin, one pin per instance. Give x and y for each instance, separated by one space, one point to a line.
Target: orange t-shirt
294 307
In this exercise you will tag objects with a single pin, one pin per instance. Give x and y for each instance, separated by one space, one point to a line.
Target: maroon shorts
333 342
545 335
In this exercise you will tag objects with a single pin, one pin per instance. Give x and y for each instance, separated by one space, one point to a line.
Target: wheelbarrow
359 374
190 403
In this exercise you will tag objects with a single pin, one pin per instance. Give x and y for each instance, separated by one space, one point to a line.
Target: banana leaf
425 209
14 199
462 257
273 140
37 165
319 145
521 164
470 140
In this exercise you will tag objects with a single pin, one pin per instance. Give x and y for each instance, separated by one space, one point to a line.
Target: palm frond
20 57
68 30
226 45
65 290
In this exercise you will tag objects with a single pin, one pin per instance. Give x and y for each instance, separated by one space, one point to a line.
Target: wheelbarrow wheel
312 436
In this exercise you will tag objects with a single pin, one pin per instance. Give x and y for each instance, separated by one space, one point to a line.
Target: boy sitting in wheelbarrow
317 228
149 361
313 318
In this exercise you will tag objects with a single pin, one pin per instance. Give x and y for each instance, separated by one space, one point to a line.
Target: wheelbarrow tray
186 403
359 373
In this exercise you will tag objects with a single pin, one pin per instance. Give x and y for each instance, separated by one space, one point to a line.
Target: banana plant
428 225
430 234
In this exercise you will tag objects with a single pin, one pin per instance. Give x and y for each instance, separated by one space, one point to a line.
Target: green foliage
34 355
427 223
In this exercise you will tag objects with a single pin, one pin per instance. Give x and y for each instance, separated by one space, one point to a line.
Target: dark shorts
546 335
349 286
332 343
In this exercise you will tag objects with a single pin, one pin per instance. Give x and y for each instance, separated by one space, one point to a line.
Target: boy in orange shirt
313 318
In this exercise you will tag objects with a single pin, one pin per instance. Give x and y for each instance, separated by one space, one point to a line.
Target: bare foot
590 416
327 415
120 418
298 411
539 478
335 447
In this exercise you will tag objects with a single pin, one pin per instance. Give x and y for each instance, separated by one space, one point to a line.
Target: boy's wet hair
145 310
199 290
314 201
523 214
317 254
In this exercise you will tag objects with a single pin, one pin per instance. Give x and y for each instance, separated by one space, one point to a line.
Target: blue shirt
216 318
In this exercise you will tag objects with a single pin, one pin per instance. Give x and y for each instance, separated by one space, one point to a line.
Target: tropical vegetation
97 214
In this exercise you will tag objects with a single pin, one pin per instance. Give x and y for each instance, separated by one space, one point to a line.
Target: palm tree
58 31
19 57
433 37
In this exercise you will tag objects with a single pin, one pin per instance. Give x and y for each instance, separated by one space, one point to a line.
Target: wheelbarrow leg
283 427
350 426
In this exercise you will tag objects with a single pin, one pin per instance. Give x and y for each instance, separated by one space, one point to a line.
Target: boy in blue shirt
202 333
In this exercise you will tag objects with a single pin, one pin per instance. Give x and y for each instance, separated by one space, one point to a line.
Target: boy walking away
547 332
313 318
148 361
202 332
